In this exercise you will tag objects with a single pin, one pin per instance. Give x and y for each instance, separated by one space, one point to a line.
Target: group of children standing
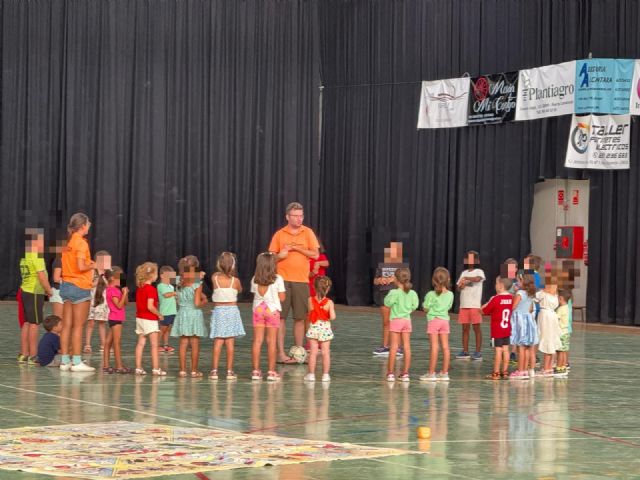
525 315
172 309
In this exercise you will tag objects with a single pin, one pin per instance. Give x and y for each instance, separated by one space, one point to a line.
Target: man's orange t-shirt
294 268
77 247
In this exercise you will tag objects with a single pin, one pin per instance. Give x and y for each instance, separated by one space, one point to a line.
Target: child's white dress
548 326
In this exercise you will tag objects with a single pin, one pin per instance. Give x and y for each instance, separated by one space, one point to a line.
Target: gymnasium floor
584 427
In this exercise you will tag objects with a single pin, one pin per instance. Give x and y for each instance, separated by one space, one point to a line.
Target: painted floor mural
136 450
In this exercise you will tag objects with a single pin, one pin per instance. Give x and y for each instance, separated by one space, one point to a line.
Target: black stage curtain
185 126
451 190
180 126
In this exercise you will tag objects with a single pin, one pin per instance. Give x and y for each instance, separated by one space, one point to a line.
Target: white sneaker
443 377
326 377
65 367
82 367
532 373
309 377
428 377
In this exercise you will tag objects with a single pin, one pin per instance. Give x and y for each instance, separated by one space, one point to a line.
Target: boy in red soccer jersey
499 307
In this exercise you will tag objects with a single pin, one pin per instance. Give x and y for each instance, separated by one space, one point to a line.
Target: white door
560 203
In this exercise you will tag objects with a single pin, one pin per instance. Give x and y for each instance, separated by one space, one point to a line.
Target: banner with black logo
493 98
599 142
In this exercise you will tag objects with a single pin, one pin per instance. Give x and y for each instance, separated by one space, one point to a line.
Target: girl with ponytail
402 301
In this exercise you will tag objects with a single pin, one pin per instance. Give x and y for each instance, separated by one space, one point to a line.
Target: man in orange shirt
294 245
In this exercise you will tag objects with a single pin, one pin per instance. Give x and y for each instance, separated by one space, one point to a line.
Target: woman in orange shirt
75 290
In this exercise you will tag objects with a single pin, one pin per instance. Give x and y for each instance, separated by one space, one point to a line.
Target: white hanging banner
546 91
443 103
634 102
599 142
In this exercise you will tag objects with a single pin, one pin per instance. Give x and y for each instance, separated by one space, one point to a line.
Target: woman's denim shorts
70 293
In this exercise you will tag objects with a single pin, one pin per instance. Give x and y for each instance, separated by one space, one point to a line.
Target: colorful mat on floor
135 450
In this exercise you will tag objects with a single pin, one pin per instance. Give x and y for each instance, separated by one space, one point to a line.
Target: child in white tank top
226 322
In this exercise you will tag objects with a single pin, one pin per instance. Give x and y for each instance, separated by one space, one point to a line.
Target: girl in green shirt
437 304
402 301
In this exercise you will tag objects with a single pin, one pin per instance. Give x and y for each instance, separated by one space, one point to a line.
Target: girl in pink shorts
268 289
402 301
437 304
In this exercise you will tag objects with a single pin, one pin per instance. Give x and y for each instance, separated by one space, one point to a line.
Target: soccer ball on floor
299 354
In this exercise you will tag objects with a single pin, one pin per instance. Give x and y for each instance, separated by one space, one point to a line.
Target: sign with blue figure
603 85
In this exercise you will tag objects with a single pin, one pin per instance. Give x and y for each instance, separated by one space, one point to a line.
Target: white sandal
158 372
140 371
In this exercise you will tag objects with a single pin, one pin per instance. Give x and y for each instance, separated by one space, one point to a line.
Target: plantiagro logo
552 91
580 137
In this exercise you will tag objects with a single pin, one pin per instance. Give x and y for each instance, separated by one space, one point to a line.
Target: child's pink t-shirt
116 314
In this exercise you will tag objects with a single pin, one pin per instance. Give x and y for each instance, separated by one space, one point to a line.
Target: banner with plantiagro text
609 87
546 91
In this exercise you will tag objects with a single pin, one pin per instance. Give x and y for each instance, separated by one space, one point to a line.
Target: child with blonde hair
189 323
168 306
147 317
564 297
321 313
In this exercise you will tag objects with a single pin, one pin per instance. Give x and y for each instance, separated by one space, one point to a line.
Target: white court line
414 467
121 408
32 415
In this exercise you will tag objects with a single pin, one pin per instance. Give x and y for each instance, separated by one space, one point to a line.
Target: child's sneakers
213 375
519 375
532 373
463 356
405 377
477 356
256 375
391 377
428 377
22 358
381 351
443 377
272 376
82 367
310 377
560 372
231 375
33 361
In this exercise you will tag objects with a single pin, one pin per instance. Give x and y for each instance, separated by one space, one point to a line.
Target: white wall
547 215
